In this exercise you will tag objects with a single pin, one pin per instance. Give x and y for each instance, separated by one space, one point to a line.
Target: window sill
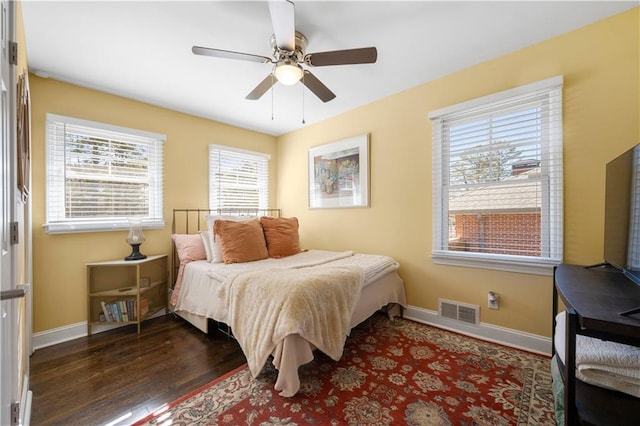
497 262
70 228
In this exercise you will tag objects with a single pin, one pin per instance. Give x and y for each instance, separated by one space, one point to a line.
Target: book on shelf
144 307
124 310
131 310
107 313
119 310
124 316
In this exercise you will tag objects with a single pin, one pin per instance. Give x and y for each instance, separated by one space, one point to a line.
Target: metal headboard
191 221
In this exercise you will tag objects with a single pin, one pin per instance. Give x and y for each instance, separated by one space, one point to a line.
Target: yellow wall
59 260
601 113
20 39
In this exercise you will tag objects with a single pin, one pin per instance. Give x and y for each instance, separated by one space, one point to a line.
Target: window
99 176
497 176
238 179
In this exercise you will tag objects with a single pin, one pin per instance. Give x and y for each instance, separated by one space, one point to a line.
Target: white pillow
206 240
215 243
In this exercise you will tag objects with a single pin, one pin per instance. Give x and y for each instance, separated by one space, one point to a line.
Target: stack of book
124 310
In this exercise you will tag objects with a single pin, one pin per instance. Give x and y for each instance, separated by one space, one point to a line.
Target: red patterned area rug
391 372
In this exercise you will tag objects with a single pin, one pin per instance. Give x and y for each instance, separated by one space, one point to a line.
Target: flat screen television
622 214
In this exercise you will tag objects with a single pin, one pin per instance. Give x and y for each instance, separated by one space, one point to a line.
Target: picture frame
339 174
145 282
23 137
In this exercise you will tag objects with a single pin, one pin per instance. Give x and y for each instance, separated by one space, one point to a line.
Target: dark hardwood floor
117 374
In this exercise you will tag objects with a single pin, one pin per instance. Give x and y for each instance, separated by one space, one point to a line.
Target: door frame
15 241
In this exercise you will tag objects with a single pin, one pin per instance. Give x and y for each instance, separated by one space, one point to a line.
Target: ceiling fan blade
228 54
316 86
284 24
364 55
262 88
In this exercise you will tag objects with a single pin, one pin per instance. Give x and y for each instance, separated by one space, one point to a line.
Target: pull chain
272 83
303 122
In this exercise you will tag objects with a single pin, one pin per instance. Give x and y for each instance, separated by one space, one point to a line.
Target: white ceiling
142 50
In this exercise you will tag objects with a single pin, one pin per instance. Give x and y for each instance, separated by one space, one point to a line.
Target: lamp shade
135 235
288 72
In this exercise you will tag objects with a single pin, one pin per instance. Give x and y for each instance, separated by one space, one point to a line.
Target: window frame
551 170
262 185
56 221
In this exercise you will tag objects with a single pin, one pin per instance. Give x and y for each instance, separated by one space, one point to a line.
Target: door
14 339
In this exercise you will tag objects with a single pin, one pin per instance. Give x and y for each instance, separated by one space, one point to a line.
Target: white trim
105 126
97 226
484 261
496 97
65 333
492 333
240 150
26 402
42 339
489 332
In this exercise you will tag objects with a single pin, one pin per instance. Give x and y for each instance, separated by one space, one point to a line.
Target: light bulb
288 73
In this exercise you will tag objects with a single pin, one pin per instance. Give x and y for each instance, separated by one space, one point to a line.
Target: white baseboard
493 333
54 336
42 339
505 336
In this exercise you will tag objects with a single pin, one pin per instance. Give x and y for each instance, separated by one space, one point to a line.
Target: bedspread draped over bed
289 327
265 307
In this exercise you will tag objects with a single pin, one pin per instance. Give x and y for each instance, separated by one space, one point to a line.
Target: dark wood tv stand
594 298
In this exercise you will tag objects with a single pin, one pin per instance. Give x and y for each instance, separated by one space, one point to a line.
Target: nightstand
124 292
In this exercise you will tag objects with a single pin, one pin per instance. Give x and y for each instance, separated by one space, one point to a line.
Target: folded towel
603 363
608 364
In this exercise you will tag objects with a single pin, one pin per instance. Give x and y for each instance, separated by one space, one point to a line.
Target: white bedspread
373 265
197 297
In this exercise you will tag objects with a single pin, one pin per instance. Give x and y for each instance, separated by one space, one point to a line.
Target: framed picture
339 174
23 137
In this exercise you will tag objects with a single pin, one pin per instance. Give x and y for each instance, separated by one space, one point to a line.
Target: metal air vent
458 311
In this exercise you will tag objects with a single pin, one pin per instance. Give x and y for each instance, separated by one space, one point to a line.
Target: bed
264 301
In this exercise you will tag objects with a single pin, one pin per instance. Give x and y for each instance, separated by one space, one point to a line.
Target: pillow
241 241
189 248
206 241
216 247
281 234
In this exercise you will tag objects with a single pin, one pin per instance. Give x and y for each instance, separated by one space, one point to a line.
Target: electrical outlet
493 300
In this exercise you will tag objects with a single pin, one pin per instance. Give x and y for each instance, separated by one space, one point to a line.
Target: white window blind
100 176
238 179
497 175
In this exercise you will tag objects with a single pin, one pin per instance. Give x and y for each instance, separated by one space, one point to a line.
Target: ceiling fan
289 54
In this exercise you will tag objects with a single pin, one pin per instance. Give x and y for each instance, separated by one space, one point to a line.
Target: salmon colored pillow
282 236
241 241
189 247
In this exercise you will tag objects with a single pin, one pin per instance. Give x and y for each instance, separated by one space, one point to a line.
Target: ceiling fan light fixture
288 72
